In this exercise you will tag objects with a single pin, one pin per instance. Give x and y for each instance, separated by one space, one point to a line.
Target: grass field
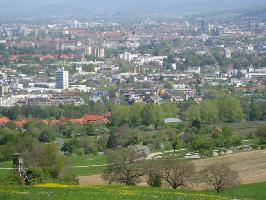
82 165
87 165
102 193
255 191
243 128
4 169
64 192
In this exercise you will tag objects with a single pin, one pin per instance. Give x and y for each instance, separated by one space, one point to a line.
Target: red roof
4 120
76 121
86 119
21 123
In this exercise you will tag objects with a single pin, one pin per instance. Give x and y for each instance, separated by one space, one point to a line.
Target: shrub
154 180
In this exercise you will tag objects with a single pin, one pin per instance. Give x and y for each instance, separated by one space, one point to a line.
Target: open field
102 193
82 165
65 192
256 191
4 168
250 165
87 165
243 128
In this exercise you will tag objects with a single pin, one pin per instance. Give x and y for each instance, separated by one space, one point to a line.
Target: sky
20 8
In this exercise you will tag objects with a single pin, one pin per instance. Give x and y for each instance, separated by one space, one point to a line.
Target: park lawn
5 172
88 171
102 193
82 165
87 160
6 164
88 165
256 191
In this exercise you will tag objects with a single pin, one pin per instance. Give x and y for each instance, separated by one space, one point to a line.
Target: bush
255 146
69 179
35 175
154 180
14 180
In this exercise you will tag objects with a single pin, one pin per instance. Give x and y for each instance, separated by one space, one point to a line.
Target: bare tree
177 173
123 167
219 176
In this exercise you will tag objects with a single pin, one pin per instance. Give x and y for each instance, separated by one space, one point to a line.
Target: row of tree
127 166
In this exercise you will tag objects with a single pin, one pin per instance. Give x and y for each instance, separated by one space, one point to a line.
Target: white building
228 53
99 52
195 70
256 73
61 79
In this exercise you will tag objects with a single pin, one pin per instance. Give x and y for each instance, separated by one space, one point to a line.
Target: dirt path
92 180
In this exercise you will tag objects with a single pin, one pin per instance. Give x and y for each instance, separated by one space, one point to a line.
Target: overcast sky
73 7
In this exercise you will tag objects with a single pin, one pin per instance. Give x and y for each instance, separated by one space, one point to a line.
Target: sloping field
250 165
100 193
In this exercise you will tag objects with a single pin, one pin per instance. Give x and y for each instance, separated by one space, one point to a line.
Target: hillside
57 192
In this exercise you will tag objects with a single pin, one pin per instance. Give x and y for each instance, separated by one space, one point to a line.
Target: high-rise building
61 79
88 51
99 52
204 26
3 90
228 53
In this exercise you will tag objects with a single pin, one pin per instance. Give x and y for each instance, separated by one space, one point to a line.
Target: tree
193 113
177 173
47 135
219 176
176 144
203 144
255 112
209 111
47 158
148 115
51 161
120 115
135 115
261 133
230 109
152 170
227 131
111 142
122 167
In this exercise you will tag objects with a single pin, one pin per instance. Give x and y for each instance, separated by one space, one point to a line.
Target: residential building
61 79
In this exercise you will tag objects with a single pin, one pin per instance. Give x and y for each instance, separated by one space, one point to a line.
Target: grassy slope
255 191
83 165
252 191
102 193
4 172
87 165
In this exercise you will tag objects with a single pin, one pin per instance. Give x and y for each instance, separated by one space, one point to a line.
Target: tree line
129 167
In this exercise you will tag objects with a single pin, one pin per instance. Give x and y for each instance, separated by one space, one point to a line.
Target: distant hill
259 13
26 8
